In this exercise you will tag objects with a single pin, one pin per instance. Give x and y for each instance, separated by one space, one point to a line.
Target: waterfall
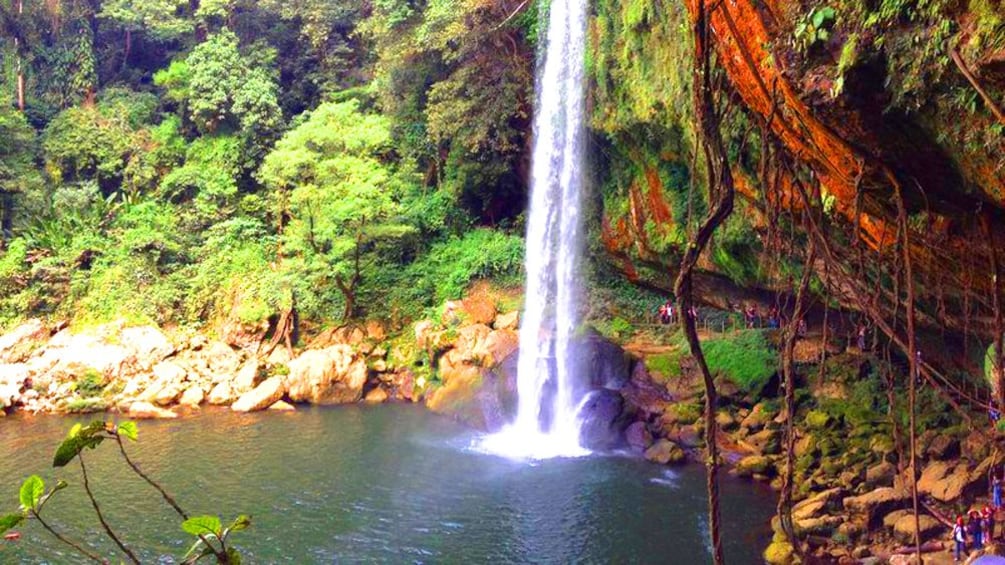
550 394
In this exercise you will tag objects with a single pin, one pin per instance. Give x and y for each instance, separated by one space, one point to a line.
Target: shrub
745 358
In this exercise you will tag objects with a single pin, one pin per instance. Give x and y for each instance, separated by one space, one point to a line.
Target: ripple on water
376 484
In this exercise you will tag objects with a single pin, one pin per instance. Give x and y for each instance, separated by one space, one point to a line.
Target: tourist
988 524
994 415
750 315
671 314
974 529
801 329
996 492
960 538
861 337
663 317
773 318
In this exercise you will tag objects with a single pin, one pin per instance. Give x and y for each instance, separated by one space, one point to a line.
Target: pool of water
388 484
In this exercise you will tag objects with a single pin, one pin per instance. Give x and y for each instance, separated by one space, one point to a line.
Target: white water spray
550 394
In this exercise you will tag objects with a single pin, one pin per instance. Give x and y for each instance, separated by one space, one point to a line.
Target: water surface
388 484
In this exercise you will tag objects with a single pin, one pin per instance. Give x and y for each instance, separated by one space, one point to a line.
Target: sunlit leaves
79 439
203 526
31 492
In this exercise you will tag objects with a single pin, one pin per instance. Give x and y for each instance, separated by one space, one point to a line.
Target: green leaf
242 522
128 430
79 438
823 35
828 13
202 525
10 521
31 491
234 555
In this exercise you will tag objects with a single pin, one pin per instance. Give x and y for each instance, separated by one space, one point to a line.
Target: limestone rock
878 502
725 420
263 396
764 442
221 359
333 375
282 406
880 474
471 344
376 396
510 321
473 310
665 452
18 344
946 481
751 465
169 371
943 447
246 376
499 345
147 344
903 528
779 553
221 394
757 419
192 397
816 505
142 410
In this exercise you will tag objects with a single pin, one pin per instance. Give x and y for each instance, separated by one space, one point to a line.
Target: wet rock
282 406
480 397
607 363
644 395
263 396
376 396
665 452
601 420
333 375
751 465
764 442
142 410
638 436
758 418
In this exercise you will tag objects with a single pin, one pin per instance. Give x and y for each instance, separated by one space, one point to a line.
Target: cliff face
850 102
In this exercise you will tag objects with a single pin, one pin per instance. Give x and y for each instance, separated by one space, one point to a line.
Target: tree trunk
789 374
20 59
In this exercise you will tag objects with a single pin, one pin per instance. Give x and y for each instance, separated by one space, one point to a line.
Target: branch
513 15
973 82
151 482
76 546
101 518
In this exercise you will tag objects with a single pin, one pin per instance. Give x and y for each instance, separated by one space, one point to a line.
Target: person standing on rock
988 524
959 538
974 529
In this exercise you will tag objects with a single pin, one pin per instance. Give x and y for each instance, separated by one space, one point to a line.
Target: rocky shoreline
852 497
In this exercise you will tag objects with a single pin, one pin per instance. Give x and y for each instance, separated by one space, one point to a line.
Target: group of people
668 312
977 529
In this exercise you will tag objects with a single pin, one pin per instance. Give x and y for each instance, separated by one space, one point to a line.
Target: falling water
547 423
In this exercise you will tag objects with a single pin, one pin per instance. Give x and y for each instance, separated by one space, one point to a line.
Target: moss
86 405
665 366
745 358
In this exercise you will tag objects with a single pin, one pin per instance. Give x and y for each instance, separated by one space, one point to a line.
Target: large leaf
10 521
31 491
202 525
79 438
128 430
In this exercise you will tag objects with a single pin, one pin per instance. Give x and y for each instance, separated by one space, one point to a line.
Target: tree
159 19
18 172
336 195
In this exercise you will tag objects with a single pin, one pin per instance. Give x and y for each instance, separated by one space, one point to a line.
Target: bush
90 385
745 358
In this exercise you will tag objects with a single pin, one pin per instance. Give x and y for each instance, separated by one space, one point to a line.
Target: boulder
9 393
509 321
752 465
480 397
246 376
880 475
472 310
18 344
947 481
333 375
165 395
142 410
943 447
779 553
282 406
601 423
638 436
499 345
877 503
929 527
221 394
665 452
764 442
607 362
192 397
758 418
725 420
169 372
644 395
221 360
240 334
148 345
424 331
264 395
816 505
471 344
376 396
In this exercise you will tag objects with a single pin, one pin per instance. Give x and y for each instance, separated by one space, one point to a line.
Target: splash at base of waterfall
529 442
